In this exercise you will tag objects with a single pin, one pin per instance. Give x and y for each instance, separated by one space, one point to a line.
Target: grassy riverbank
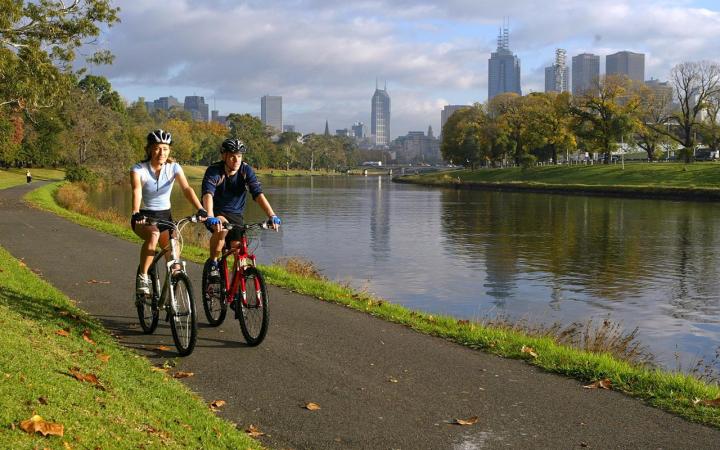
654 179
195 173
60 364
586 361
14 177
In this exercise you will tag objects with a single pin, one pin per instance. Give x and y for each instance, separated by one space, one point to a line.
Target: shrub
77 173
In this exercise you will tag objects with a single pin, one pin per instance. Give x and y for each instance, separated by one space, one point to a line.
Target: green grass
670 391
195 173
14 177
133 407
648 178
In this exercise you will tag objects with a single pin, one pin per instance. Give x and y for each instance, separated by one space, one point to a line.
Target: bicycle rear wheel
147 306
213 297
253 313
183 322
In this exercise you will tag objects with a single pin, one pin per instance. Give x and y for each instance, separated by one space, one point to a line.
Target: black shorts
160 215
236 219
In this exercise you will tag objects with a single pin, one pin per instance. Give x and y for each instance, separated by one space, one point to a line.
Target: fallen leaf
392 380
471 421
94 281
605 383
312 406
37 424
42 400
162 348
103 357
65 332
584 444
254 432
529 350
22 263
160 369
87 378
86 337
181 374
217 404
67 446
712 403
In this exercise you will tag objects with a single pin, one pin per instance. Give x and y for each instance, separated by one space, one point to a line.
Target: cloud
323 57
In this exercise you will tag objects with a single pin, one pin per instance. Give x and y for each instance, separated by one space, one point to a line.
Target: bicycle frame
242 259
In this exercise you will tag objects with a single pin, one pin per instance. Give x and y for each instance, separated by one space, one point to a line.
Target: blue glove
211 222
275 220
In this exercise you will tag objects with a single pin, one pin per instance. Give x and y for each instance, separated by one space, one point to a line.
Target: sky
323 57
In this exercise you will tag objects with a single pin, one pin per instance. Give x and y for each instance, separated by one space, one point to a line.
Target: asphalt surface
379 385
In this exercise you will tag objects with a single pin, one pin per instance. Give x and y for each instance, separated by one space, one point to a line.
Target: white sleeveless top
156 191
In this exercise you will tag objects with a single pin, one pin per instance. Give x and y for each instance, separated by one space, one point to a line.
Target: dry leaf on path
163 348
254 432
65 332
94 281
86 337
529 350
311 406
181 374
37 424
471 421
605 383
217 404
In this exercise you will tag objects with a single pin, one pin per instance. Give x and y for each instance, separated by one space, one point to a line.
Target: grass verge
61 364
695 181
15 177
679 393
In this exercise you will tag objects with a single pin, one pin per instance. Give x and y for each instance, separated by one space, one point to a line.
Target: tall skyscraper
503 68
585 70
448 111
557 76
359 130
626 63
271 111
380 116
197 107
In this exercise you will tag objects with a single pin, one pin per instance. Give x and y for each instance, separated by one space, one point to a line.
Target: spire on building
327 128
430 131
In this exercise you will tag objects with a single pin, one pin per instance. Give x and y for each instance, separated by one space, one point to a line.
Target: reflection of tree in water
380 221
694 293
606 248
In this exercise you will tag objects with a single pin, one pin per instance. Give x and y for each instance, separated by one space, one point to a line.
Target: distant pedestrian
28 176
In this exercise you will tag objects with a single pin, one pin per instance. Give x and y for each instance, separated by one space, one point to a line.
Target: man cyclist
224 193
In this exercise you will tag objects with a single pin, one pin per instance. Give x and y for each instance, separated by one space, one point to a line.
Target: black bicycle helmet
159 137
233 146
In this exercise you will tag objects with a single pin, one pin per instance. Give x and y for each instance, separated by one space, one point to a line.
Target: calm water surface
653 264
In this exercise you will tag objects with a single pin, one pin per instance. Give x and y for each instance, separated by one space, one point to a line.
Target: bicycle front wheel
147 306
253 315
183 322
213 297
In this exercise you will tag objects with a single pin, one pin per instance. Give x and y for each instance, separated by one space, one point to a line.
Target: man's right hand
212 224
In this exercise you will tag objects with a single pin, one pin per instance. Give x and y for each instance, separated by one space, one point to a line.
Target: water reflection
647 263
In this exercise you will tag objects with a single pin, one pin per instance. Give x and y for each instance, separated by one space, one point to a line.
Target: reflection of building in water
380 222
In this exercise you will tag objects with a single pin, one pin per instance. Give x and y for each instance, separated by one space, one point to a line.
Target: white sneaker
142 284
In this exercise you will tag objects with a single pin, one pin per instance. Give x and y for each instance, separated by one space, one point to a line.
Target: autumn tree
552 124
604 114
654 106
710 127
253 133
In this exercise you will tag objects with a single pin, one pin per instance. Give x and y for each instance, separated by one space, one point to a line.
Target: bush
80 174
527 161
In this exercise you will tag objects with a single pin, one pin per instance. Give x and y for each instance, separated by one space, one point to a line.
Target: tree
604 114
100 88
694 83
38 40
553 123
464 138
710 127
653 109
253 133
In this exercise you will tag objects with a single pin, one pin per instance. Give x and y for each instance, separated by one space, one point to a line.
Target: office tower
197 107
166 103
585 70
626 63
503 68
380 116
271 111
557 75
359 130
448 111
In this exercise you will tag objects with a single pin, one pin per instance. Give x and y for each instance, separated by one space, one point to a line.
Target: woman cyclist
152 180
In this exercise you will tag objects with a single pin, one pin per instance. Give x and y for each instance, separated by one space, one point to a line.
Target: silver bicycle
175 296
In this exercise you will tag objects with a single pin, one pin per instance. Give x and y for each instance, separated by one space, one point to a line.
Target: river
652 264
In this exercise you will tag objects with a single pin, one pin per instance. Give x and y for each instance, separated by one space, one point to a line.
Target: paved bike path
379 385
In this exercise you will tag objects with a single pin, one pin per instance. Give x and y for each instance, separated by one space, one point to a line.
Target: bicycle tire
213 297
149 313
253 314
183 321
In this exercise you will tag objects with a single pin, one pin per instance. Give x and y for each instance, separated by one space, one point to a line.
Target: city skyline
431 54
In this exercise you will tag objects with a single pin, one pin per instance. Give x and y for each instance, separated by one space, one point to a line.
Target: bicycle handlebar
266 224
152 221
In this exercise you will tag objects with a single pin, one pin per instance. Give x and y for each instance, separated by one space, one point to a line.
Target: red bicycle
242 288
